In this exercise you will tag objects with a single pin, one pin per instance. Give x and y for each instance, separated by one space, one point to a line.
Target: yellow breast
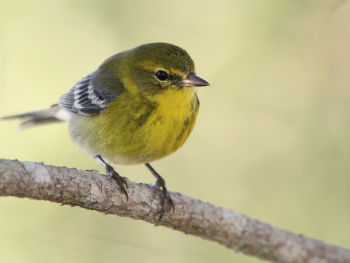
172 121
135 129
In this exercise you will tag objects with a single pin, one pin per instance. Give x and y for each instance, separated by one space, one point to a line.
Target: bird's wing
88 97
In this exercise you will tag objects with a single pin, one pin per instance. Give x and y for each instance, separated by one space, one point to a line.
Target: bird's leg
111 173
167 203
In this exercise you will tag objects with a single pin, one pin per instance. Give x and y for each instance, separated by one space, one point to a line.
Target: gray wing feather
86 97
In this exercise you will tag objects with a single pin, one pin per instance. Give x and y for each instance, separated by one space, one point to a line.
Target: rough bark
90 190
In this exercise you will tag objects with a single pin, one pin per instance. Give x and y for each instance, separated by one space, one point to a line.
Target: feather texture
86 97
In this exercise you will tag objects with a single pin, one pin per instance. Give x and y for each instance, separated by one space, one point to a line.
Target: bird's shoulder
91 95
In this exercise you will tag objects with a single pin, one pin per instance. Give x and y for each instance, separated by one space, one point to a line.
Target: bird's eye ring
162 75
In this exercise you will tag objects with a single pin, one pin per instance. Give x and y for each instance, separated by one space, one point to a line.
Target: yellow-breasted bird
138 106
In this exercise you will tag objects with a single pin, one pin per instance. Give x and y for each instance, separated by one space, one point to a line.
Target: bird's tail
34 118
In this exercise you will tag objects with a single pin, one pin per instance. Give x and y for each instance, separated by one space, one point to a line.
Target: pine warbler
138 106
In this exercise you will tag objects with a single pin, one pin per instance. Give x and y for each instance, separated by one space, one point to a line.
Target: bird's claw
167 203
122 183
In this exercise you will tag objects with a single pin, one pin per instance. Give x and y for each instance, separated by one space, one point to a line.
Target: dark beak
194 81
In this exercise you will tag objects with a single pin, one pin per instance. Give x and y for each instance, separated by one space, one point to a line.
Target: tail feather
36 117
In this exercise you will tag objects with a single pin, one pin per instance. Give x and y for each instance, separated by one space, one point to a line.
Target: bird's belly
157 138
133 142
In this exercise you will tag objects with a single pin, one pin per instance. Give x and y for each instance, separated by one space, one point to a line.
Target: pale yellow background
271 141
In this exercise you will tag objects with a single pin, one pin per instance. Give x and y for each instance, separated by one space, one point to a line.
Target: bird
138 106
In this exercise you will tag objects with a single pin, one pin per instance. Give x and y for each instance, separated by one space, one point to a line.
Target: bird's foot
111 173
121 181
167 203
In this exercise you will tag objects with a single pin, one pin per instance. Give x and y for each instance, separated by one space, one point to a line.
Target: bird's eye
161 75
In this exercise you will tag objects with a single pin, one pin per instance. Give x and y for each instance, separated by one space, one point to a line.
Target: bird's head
157 67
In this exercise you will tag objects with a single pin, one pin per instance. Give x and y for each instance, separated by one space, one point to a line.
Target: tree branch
90 190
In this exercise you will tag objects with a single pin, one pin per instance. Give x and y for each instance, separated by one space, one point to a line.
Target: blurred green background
272 136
